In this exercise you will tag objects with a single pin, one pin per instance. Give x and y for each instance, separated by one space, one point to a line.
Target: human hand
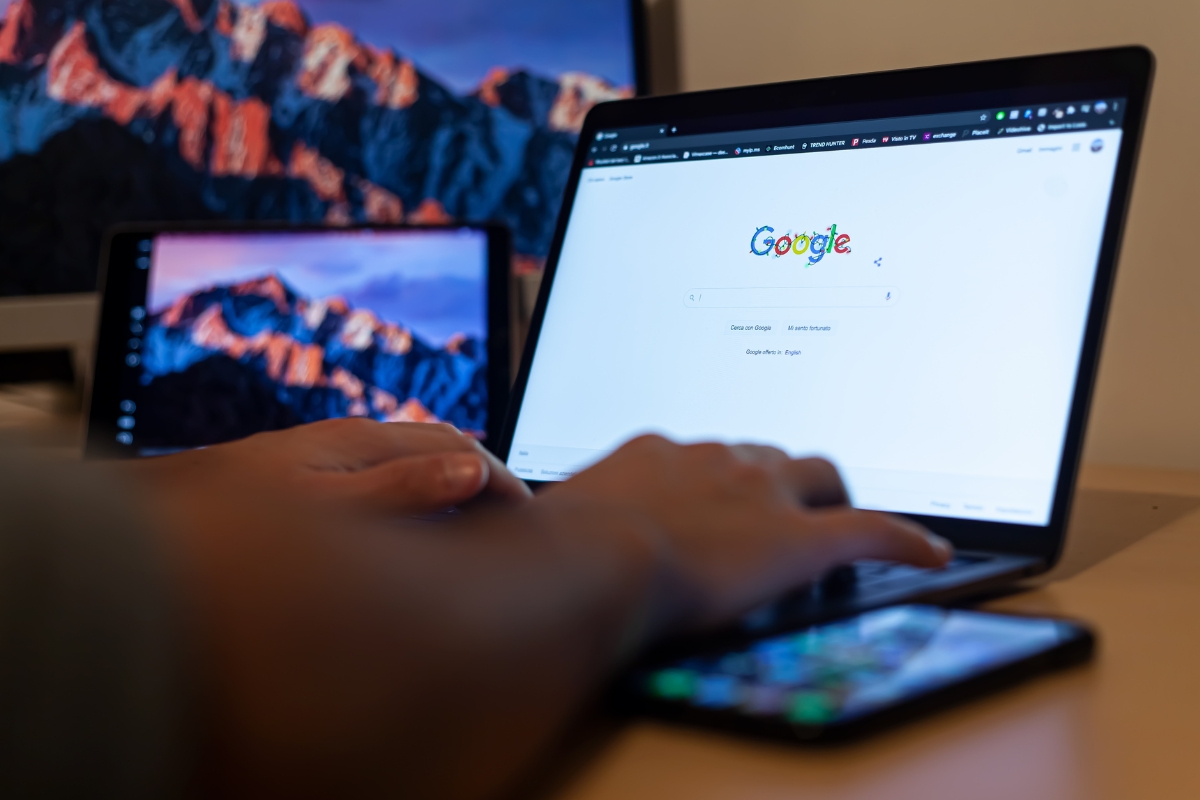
334 641
742 525
391 468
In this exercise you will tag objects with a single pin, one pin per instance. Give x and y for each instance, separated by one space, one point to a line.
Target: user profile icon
1100 107
1097 145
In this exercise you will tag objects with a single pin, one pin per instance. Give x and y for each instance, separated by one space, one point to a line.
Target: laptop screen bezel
1119 72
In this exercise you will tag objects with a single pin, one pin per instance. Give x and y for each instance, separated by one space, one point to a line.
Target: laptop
907 273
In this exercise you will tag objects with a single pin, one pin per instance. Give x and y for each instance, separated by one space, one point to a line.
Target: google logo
816 246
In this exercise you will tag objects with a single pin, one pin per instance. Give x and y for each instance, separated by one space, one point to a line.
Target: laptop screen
906 297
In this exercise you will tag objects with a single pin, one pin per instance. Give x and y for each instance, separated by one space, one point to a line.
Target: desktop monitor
304 111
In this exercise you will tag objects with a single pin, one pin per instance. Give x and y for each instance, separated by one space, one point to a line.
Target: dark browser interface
658 144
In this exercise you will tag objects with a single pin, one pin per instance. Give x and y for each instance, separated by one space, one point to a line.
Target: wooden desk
1127 726
45 416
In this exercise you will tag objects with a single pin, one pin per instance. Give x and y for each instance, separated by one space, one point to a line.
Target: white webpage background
952 401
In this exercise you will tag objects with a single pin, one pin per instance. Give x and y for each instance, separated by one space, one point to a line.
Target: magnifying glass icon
692 297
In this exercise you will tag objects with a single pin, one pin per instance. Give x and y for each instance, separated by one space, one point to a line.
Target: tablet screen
230 334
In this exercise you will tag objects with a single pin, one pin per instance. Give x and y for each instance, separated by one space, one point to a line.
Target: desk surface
1126 726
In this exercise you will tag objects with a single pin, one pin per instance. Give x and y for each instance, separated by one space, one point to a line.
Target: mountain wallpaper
227 361
118 110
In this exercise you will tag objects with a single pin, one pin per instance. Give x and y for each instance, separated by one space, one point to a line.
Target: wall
1147 409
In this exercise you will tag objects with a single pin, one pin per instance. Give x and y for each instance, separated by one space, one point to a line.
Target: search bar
792 297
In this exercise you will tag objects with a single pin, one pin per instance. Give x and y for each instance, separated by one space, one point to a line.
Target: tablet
213 333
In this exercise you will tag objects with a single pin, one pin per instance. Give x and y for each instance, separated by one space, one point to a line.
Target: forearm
94 691
432 661
560 597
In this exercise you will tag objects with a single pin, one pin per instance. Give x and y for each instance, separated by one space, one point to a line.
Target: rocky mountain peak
252 112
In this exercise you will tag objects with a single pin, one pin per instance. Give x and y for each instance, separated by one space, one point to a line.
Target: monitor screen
306 111
905 296
231 334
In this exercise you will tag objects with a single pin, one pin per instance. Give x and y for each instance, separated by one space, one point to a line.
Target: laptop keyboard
870 574
860 582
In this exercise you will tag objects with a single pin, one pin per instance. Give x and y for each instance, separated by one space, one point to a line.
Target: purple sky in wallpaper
458 41
435 283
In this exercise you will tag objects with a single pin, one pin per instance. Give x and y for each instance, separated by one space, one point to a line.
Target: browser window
906 297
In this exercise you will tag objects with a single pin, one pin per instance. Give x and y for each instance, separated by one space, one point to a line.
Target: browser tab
662 143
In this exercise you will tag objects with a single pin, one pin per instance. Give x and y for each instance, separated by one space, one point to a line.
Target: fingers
363 443
759 454
823 539
388 441
815 482
502 484
416 438
414 485
849 535
395 467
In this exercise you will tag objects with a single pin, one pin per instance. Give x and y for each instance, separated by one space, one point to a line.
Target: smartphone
844 679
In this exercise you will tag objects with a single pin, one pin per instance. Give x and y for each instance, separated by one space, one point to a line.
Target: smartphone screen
834 674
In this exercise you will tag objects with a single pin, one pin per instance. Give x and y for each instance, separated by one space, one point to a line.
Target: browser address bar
809 297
